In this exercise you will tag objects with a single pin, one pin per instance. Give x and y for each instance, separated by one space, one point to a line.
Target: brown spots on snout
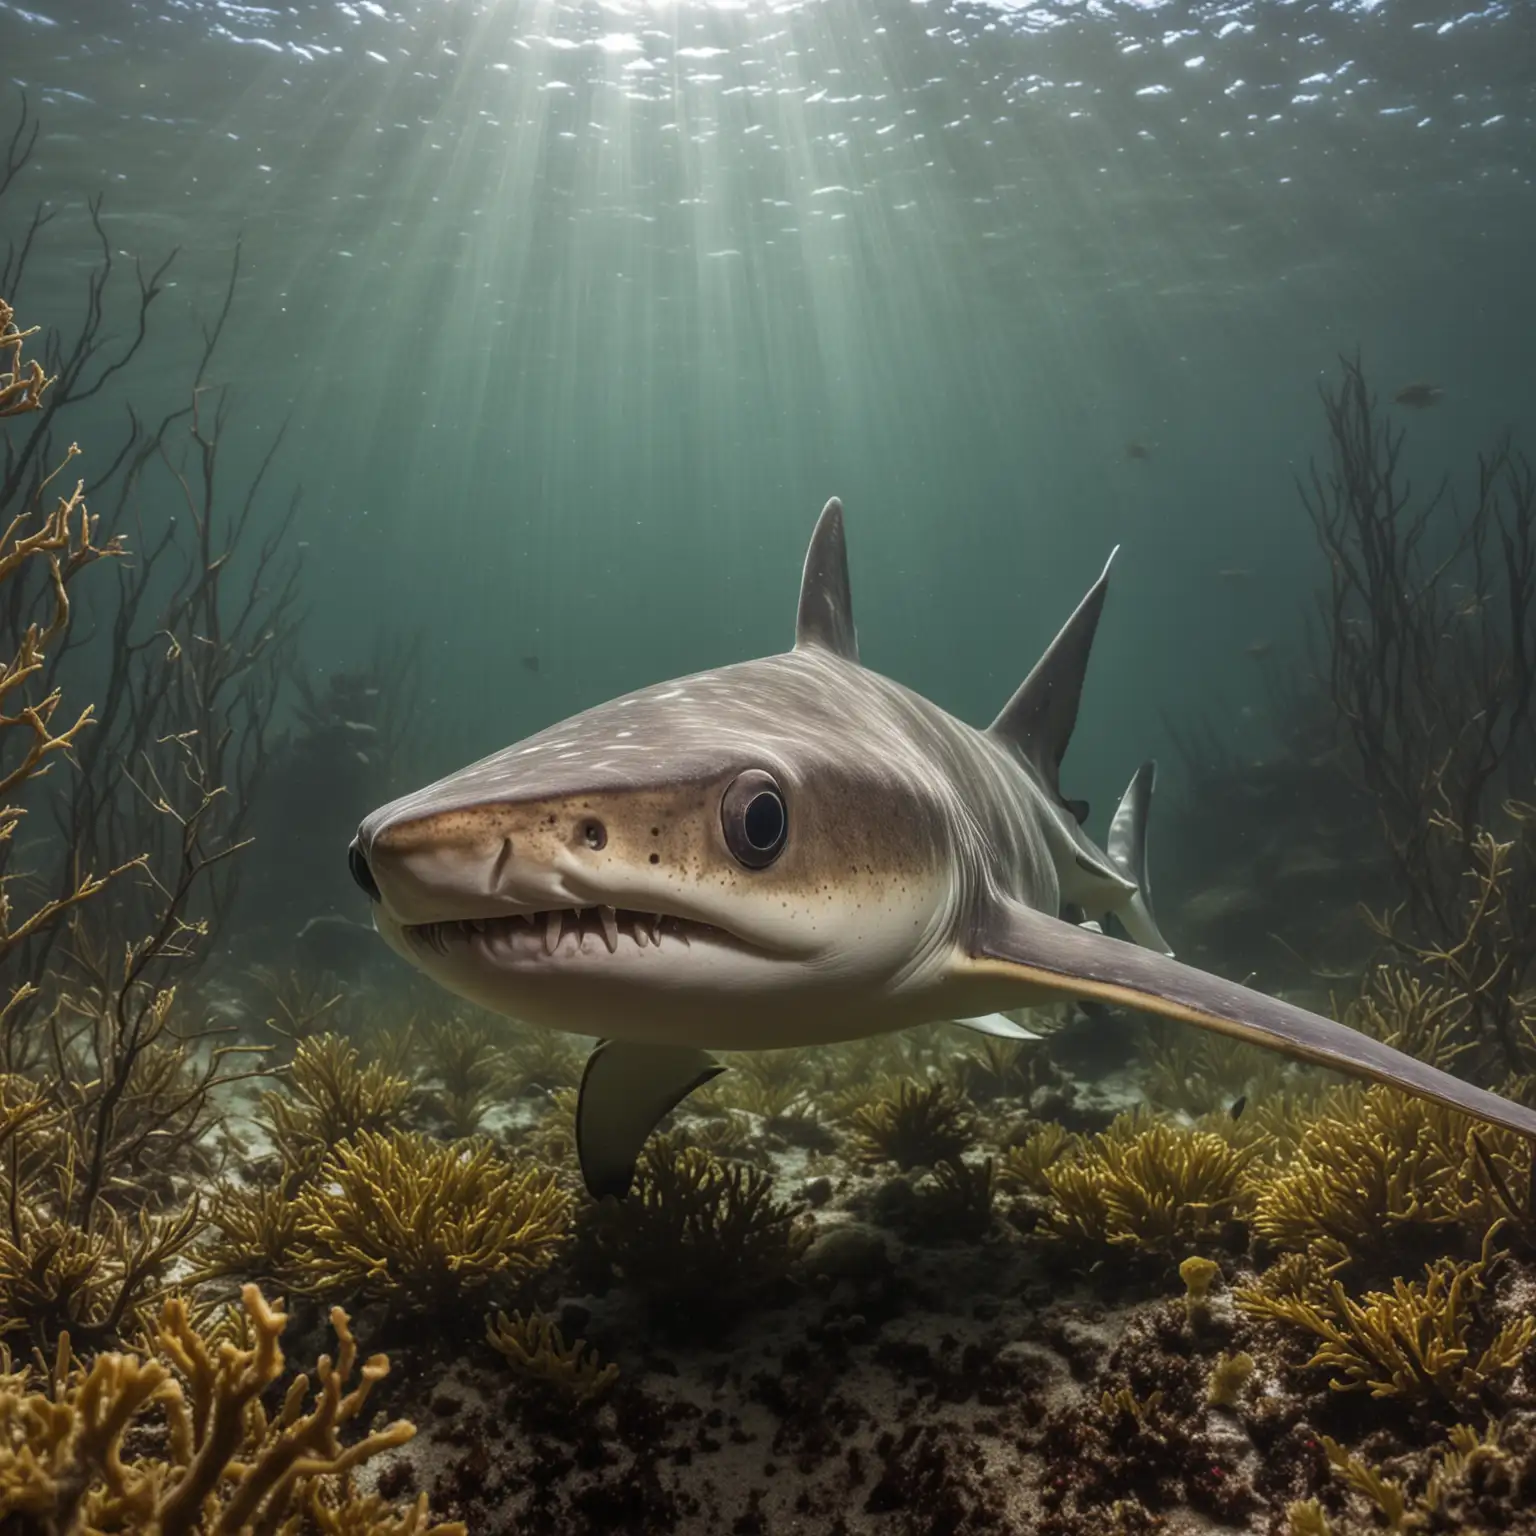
474 826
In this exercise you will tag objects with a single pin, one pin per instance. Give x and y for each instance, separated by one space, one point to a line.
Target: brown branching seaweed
913 1125
1148 1185
60 544
536 1350
425 1226
470 1069
1377 1173
698 1237
329 1098
76 1457
1430 660
1414 1342
21 383
258 1232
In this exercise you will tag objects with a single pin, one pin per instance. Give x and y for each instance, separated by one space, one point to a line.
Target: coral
536 1349
1198 1275
75 1457
913 1126
22 383
696 1236
1418 1342
1228 1380
329 1098
423 1225
1429 622
775 1085
1148 1186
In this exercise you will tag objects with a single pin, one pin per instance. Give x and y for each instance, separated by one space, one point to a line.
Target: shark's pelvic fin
625 1092
998 1025
826 603
1038 719
1042 951
1127 850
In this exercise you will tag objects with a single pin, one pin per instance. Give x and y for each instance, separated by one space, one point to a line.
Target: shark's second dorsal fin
1038 719
826 604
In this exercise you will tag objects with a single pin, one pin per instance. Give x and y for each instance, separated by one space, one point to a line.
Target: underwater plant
470 1069
423 1225
1418 1342
913 1125
698 1237
1375 1173
1429 621
250 1231
1147 1185
1024 1163
536 1350
327 1098
176 1439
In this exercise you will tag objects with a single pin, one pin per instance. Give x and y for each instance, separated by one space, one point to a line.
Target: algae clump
423 1225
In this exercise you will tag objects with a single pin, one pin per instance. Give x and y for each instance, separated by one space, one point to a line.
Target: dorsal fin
1038 719
826 604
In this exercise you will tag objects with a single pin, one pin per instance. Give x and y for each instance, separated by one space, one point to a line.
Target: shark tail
1127 852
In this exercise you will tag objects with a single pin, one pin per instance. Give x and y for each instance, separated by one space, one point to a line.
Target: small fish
1238 1105
1235 573
1138 450
1419 396
531 664
1258 648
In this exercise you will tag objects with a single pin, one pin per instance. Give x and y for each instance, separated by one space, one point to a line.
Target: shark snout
438 869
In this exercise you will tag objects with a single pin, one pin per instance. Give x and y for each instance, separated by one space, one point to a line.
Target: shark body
795 851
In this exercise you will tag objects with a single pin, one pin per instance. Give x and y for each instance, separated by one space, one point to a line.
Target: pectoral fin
625 1092
998 1025
1042 951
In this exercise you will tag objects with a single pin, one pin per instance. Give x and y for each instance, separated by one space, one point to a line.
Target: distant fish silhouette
1235 573
1419 396
1258 648
1138 450
531 664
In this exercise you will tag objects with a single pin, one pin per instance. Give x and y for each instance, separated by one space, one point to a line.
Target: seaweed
470 1070
253 1231
913 1125
697 1237
329 1099
1025 1163
536 1350
77 1456
425 1226
1418 1342
1148 1187
1376 1174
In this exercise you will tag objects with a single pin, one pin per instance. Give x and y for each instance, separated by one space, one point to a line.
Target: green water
578 313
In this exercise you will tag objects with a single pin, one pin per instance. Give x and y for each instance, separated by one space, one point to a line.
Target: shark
795 851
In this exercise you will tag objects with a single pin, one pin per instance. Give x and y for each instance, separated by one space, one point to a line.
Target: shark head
702 858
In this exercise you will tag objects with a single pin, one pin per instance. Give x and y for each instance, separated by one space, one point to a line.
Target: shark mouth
568 930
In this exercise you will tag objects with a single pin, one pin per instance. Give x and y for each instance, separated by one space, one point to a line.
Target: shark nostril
361 873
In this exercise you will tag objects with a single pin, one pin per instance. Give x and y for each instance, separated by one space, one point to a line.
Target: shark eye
754 819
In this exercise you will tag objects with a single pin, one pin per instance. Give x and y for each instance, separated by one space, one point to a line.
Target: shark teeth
559 929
